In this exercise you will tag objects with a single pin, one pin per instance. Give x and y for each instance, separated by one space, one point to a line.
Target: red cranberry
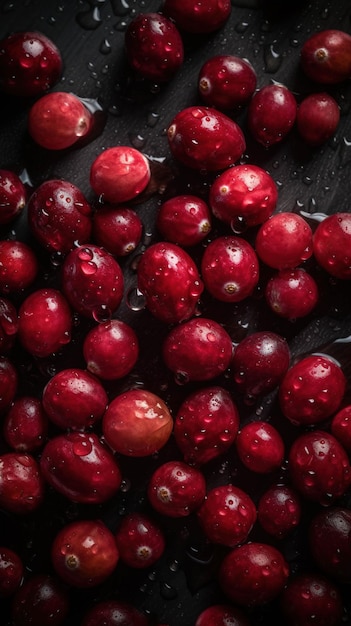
18 266
170 282
139 540
30 64
41 601
329 541
184 220
279 510
341 427
260 447
292 293
8 383
45 322
80 467
222 615
21 483
111 349
114 613
206 424
119 174
176 489
230 268
317 118
243 194
13 194
26 425
198 17
284 241
137 423
326 56
312 389
118 229
331 245
311 599
11 572
227 515
319 467
226 82
199 349
84 553
271 114
253 574
74 399
8 325
154 46
205 139
92 281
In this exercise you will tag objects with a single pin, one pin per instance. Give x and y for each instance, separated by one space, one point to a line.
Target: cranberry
59 216
292 293
271 114
92 281
184 220
170 282
118 229
312 389
137 423
329 541
25 425
222 615
140 541
11 572
13 195
199 349
114 613
18 266
21 483
8 325
80 467
84 553
30 64
284 241
326 56
206 424
311 599
259 363
111 349
8 383
205 139
45 322
226 82
230 269
60 397
243 194
253 574
198 17
279 510
119 174
260 447
41 601
154 46
176 489
227 515
331 245
319 467
341 427
317 119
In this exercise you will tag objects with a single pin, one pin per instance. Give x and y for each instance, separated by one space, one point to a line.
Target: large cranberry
222 615
176 489
271 114
284 241
326 56
279 510
13 195
114 613
226 82
111 349
118 229
8 325
41 601
198 17
18 266
21 483
340 427
11 572
119 174
318 117
329 541
260 447
26 424
292 293
331 245
184 220
140 540
8 383
311 600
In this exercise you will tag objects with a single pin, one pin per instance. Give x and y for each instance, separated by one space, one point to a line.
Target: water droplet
120 7
272 59
135 299
89 20
167 591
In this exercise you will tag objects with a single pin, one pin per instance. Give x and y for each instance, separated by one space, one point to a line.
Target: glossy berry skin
312 390
279 510
30 64
222 615
8 325
227 515
111 349
319 467
140 541
154 47
284 241
318 117
205 139
292 293
253 574
114 613
340 427
271 114
259 363
198 18
19 266
243 195
8 383
197 350
311 599
206 424
176 489
117 229
74 399
80 467
25 424
92 281
184 220
21 483
331 245
137 423
326 56
170 282
59 216
119 174
260 447
45 322
226 82
329 542
84 553
41 601
11 572
13 196
230 269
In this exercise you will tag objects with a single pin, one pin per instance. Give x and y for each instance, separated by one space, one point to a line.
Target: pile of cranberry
74 443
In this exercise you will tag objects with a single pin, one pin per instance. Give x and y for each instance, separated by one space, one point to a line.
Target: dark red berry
284 241
13 194
222 615
331 245
114 613
279 510
111 349
341 427
226 82
11 572
8 325
184 220
21 483
176 489
41 601
198 17
140 541
292 293
25 424
311 600
8 383
260 447
118 229
318 117
119 174
326 56
329 542
271 114
18 266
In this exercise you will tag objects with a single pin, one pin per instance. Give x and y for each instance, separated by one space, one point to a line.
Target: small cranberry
226 82
119 174
175 489
318 117
311 599
292 293
222 615
326 56
140 541
11 572
8 383
340 427
25 425
184 220
13 195
111 349
18 266
271 114
41 601
329 542
114 613
331 245
8 325
284 241
21 483
260 447
198 17
117 229
279 510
